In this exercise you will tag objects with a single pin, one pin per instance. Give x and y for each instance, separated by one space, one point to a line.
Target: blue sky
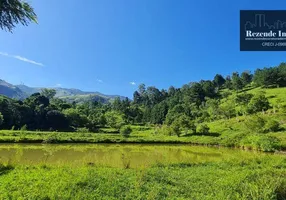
104 45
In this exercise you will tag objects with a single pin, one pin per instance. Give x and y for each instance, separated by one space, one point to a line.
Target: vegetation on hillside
246 100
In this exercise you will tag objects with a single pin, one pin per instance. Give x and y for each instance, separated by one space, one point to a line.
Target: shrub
82 130
261 142
272 126
203 129
165 130
176 127
255 124
125 131
233 140
258 103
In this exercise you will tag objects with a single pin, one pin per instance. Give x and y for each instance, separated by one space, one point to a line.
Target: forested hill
70 95
192 105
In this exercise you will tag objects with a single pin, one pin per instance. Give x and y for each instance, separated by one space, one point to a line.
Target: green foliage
203 129
246 78
236 81
125 131
49 93
1 119
56 120
258 103
114 119
182 123
272 76
255 124
176 127
76 119
260 142
218 80
15 12
272 126
164 130
227 109
83 130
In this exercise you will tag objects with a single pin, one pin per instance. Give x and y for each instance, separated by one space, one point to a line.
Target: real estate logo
263 30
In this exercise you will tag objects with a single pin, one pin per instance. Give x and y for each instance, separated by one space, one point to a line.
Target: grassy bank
264 142
228 133
263 177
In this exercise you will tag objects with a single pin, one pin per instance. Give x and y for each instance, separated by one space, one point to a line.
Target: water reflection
114 155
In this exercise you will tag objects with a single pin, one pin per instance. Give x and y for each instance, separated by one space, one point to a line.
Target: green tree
272 125
203 129
56 120
227 109
228 83
218 80
258 103
49 93
246 77
236 81
125 131
183 122
75 118
267 77
255 124
14 12
208 88
175 126
114 119
159 112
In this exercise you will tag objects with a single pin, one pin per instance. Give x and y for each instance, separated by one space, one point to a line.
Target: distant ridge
71 95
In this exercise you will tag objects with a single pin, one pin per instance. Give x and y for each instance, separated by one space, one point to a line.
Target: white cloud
132 83
100 81
58 85
21 58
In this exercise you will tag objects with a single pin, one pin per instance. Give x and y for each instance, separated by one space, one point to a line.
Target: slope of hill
70 95
11 91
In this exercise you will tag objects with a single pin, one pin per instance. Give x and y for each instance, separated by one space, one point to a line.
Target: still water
115 155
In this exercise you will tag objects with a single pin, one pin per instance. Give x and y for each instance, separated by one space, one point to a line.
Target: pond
115 155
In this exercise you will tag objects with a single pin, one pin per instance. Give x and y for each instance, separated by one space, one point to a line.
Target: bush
176 127
272 126
165 130
203 129
261 142
258 103
255 124
125 131
82 130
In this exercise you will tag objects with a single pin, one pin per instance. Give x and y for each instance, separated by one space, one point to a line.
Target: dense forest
185 107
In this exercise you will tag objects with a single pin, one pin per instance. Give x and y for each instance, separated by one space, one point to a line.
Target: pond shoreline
282 150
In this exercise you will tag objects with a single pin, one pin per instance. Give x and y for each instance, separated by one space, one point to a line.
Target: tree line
193 103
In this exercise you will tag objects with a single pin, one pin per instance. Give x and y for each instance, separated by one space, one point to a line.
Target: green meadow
103 171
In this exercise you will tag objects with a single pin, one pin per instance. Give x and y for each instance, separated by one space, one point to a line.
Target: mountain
11 91
70 95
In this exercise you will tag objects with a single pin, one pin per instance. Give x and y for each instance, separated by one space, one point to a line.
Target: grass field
263 177
230 133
